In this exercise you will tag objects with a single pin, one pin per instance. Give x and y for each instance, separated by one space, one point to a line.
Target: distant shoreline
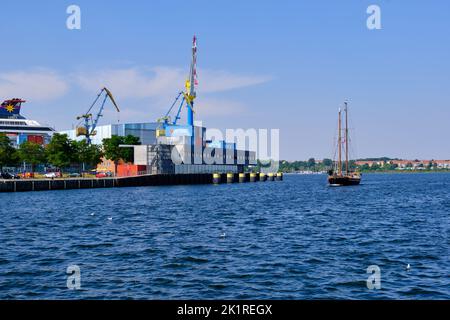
379 172
407 171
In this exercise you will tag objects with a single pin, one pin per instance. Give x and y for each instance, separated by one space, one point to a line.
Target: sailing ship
338 176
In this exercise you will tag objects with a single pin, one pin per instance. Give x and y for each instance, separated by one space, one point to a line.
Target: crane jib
87 129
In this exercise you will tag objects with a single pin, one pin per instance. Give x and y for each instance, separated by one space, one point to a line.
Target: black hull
344 181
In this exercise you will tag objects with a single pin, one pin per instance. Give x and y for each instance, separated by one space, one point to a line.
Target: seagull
92 214
223 235
408 267
110 218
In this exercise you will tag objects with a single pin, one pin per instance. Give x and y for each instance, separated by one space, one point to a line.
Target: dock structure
22 185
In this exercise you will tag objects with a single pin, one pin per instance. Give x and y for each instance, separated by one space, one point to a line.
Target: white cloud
161 84
218 81
142 93
127 114
162 81
35 85
133 82
218 107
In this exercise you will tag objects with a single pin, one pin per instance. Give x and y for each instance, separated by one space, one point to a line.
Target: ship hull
344 181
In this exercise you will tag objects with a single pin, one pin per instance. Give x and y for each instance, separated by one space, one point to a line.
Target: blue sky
262 64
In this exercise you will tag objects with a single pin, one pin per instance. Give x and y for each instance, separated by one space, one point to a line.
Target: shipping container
127 170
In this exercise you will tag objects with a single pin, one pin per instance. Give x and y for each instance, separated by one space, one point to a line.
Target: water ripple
297 239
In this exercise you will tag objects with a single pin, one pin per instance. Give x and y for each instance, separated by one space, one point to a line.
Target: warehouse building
182 149
146 132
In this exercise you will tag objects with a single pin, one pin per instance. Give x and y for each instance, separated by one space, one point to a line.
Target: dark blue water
296 239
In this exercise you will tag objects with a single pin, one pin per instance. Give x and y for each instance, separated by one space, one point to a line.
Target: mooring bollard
216 178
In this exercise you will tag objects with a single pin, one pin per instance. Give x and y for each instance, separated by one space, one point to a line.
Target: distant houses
405 164
312 165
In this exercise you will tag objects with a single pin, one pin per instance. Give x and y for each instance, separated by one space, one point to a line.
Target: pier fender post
253 177
230 177
262 177
270 177
216 178
242 178
279 176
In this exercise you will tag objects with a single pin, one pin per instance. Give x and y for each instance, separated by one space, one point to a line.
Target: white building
146 132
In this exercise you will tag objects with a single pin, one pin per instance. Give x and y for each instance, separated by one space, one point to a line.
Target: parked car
103 174
9 175
52 175
74 175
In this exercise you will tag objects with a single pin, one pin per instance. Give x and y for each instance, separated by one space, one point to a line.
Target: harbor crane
88 123
187 97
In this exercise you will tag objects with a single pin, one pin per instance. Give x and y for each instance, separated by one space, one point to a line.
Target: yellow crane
88 123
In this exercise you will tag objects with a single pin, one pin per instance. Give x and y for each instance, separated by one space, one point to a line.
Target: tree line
63 153
310 165
294 166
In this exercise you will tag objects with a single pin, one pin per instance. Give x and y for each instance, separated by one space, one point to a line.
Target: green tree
113 152
327 162
128 153
391 166
32 153
311 163
87 154
61 151
375 166
8 154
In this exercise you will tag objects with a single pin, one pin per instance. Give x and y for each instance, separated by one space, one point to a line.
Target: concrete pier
22 185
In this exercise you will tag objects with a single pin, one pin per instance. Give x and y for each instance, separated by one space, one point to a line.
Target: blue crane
187 97
88 123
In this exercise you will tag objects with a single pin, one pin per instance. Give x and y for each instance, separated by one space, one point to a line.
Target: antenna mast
346 138
191 82
339 145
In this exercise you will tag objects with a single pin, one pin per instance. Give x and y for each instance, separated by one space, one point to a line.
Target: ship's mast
346 138
339 145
